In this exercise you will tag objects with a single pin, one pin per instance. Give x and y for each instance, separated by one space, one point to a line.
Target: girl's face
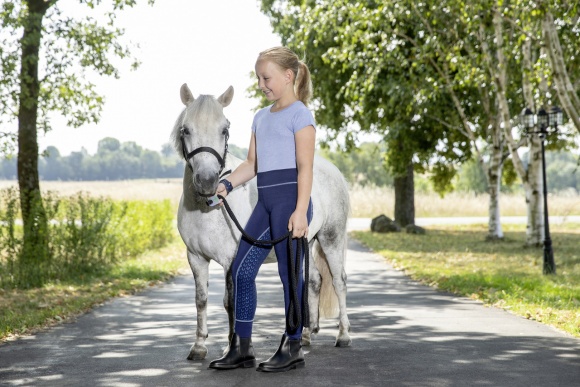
273 80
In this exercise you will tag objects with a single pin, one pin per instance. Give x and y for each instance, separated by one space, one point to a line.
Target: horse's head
200 136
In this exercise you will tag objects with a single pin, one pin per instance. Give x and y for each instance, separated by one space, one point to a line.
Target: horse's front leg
200 268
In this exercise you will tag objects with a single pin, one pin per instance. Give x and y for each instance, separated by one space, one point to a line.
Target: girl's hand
298 224
221 190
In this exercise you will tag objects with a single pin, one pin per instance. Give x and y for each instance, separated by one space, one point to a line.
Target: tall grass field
366 202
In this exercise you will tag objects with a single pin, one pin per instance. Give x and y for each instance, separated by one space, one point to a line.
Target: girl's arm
305 142
244 172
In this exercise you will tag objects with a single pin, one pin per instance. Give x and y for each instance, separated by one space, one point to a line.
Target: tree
28 92
108 145
364 80
560 37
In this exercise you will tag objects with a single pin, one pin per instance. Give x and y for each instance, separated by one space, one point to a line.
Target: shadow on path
404 334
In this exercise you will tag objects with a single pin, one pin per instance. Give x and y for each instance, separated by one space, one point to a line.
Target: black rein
294 309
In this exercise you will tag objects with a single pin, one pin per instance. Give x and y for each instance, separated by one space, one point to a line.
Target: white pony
200 136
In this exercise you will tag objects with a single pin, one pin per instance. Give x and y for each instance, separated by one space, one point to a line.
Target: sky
209 45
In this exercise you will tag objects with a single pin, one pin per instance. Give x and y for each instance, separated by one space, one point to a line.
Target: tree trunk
493 172
566 91
530 176
535 221
535 225
405 198
33 216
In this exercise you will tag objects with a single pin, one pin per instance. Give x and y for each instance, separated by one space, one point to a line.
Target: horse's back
329 196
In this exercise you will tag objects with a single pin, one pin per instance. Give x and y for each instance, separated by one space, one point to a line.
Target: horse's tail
328 306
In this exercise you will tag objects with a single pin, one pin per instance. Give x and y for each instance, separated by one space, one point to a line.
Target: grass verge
27 311
503 274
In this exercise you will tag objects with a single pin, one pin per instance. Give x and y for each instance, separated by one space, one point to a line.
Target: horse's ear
226 97
186 96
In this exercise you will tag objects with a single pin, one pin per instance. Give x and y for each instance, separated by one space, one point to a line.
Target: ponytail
287 59
303 83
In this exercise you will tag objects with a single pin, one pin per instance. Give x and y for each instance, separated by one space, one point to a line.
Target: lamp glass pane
542 118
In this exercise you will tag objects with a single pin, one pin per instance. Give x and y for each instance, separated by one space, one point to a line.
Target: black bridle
187 156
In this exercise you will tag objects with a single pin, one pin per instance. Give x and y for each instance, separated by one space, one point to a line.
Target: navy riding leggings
277 194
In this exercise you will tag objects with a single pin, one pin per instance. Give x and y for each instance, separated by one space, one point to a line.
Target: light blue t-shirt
275 144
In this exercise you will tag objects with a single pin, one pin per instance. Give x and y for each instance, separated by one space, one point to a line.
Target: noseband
187 156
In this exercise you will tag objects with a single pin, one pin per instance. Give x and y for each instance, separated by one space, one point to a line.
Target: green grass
26 311
503 274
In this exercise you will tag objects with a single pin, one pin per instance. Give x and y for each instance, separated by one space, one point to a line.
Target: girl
281 153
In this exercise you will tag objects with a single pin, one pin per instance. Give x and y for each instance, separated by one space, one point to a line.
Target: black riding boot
288 356
240 354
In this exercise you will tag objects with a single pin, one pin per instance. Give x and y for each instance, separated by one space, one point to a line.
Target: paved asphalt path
404 334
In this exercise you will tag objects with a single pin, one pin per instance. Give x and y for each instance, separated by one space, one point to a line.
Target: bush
86 236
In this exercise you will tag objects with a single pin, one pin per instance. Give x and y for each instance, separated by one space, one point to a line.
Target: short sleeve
302 119
254 124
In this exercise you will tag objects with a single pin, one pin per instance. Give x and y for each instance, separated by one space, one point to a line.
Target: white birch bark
529 177
534 196
566 92
494 183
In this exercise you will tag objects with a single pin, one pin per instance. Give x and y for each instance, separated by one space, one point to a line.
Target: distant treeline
365 166
113 161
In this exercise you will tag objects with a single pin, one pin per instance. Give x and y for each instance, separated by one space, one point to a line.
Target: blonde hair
288 60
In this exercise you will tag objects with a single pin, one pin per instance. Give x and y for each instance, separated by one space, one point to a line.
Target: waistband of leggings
277 177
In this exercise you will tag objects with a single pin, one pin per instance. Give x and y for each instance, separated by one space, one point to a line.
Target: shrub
87 235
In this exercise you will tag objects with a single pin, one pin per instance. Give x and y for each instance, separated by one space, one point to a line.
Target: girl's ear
289 75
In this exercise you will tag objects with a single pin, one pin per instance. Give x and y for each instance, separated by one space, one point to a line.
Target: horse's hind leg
200 268
229 301
334 248
314 283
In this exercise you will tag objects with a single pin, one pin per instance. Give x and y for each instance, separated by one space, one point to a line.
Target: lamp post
547 124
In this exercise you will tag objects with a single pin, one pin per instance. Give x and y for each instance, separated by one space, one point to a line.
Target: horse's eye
225 132
185 131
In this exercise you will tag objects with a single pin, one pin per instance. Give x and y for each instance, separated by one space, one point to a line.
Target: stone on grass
382 223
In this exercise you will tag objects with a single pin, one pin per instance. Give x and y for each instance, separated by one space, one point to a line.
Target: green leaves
71 49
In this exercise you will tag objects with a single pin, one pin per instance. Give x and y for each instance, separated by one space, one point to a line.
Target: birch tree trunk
566 92
534 196
494 170
535 220
530 176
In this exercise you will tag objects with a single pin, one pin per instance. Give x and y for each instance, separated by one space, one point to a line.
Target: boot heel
249 363
301 364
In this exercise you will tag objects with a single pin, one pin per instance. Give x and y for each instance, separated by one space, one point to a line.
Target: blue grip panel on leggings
246 295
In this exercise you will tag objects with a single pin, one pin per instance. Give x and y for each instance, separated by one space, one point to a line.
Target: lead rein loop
294 309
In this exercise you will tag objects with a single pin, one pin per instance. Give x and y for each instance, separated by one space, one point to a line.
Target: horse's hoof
197 352
343 341
306 338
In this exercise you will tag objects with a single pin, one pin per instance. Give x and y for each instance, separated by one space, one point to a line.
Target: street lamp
548 124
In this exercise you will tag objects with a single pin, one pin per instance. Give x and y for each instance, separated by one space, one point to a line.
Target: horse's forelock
203 109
